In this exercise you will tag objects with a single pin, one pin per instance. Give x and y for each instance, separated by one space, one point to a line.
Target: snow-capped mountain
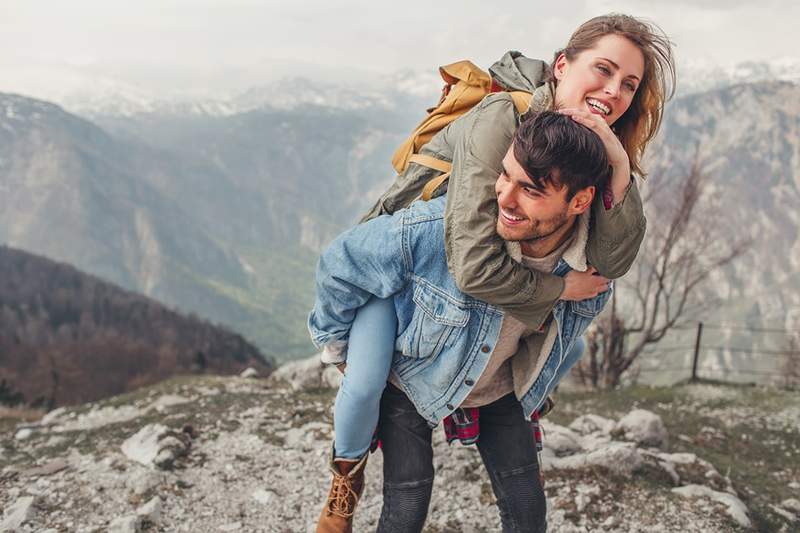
698 75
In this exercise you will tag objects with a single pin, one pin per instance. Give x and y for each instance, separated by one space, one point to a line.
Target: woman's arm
476 254
616 233
617 229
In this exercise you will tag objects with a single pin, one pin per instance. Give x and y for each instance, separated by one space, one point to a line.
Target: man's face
526 214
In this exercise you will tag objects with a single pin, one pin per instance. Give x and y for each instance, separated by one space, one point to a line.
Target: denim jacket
445 337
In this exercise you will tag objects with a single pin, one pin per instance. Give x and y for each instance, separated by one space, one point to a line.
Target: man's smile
509 218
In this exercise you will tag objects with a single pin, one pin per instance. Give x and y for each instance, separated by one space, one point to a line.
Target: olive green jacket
476 143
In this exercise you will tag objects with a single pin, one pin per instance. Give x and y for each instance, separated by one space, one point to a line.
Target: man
455 351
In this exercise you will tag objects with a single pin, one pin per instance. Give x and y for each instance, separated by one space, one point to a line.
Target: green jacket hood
515 72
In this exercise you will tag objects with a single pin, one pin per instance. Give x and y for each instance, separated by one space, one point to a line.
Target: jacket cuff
623 217
334 353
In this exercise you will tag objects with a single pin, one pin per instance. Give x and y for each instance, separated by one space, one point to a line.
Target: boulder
307 373
792 505
735 508
249 373
143 481
643 427
619 457
156 445
151 511
18 513
126 524
562 441
586 424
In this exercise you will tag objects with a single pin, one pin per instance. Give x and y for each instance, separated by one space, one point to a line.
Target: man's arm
366 260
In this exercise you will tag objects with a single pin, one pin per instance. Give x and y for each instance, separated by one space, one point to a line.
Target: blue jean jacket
445 337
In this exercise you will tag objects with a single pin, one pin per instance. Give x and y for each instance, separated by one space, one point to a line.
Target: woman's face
602 79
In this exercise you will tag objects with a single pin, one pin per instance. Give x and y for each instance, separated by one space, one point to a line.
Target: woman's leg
369 357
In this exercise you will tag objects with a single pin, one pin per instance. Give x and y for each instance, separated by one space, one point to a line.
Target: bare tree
790 366
683 247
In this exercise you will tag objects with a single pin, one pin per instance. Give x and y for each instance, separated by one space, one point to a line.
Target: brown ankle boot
346 489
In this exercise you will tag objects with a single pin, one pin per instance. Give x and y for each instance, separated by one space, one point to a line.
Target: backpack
465 86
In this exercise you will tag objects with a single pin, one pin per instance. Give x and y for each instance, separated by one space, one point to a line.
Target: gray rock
619 457
23 433
249 373
643 427
17 513
156 445
151 511
126 524
263 496
586 424
47 469
792 504
562 441
307 373
735 508
142 481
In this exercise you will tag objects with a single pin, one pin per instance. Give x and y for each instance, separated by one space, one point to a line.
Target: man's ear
559 67
582 200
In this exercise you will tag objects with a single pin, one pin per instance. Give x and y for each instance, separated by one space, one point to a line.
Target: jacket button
485 348
469 382
450 407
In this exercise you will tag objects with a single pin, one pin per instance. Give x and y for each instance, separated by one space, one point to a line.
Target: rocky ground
203 454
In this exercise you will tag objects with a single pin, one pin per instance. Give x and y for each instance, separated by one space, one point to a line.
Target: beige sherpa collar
574 255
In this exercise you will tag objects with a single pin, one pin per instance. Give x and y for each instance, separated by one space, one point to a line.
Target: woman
612 77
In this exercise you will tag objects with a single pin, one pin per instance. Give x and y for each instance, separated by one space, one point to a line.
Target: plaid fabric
608 198
464 425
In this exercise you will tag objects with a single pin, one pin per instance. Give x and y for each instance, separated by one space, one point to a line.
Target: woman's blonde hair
640 122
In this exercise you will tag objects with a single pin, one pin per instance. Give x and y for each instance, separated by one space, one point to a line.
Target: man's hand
583 285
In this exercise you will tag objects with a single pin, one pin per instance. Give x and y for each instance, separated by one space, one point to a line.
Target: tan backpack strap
430 162
435 164
432 185
522 101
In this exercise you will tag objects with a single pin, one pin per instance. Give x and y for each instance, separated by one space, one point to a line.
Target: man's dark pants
506 446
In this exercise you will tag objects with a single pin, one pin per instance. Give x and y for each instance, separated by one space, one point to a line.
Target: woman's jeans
369 357
506 446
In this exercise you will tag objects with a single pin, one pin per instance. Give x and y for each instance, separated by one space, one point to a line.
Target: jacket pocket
435 322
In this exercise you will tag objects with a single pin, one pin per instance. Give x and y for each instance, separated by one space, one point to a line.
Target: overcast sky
241 42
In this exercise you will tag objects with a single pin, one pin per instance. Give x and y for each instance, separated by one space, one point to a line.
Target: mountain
224 213
67 337
696 76
221 216
748 140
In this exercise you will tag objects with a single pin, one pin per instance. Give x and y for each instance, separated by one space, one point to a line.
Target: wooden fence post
696 351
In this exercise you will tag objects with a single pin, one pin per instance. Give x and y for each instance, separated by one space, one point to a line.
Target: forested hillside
67 337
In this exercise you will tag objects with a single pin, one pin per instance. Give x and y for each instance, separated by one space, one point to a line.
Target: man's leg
508 450
407 464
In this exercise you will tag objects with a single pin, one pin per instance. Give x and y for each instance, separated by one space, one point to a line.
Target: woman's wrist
620 180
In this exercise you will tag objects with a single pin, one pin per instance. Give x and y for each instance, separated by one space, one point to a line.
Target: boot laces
342 499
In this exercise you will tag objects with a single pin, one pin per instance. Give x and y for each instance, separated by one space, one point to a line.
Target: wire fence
770 359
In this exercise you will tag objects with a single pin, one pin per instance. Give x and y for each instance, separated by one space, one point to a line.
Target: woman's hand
617 157
583 285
